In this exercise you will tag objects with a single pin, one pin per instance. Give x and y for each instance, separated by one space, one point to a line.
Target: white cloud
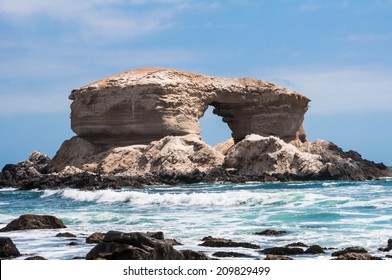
367 37
103 19
339 90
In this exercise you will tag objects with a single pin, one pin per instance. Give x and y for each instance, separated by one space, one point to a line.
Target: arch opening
213 129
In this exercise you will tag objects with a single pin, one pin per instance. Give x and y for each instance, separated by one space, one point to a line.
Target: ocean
332 214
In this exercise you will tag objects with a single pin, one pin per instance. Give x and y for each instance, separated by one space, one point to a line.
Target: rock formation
145 105
142 127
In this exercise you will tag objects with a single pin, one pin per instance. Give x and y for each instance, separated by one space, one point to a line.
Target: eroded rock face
271 156
322 160
145 105
181 155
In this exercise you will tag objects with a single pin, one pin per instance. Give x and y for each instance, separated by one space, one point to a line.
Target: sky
338 53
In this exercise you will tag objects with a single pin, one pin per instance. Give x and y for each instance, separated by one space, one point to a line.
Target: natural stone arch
144 105
213 129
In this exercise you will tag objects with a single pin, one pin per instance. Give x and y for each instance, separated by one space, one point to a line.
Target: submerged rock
30 221
65 234
297 244
8 248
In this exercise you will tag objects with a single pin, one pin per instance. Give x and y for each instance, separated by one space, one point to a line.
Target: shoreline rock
31 221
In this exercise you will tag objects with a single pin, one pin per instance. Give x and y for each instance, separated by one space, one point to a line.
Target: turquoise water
331 214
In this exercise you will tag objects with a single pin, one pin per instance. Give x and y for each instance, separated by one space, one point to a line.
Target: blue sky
338 53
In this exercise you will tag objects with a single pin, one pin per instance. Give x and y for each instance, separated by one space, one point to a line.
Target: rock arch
144 105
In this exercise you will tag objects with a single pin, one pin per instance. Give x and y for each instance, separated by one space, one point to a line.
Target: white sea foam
7 189
210 199
381 203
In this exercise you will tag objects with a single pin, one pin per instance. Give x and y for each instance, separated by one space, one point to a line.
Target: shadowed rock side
141 127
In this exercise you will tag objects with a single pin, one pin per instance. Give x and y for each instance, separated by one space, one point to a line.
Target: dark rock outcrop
357 256
271 232
65 234
388 248
193 255
229 255
297 244
137 246
355 249
314 250
8 248
221 242
277 258
354 253
35 258
30 221
282 251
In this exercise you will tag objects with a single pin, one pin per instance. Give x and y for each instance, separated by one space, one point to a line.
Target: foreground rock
221 242
137 246
8 248
30 221
357 256
282 251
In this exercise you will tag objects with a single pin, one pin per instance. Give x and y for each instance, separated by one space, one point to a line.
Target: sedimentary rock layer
145 105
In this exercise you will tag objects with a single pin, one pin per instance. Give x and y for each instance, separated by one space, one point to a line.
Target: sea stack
143 126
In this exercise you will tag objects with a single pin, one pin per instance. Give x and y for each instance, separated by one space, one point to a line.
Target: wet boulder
30 221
